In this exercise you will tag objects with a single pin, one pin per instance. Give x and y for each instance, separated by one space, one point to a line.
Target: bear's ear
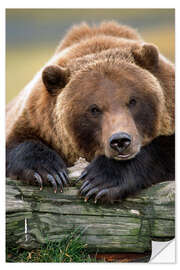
147 56
55 78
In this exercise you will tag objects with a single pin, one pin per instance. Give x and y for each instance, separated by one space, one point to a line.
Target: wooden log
35 216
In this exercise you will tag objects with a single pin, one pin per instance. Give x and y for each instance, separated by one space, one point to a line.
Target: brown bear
105 95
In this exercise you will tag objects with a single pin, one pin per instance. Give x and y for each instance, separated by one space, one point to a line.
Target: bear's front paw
40 174
100 183
36 164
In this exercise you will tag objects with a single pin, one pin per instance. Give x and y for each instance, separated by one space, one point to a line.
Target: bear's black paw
36 164
101 181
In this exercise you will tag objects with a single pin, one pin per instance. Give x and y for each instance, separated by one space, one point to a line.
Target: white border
69 4
90 4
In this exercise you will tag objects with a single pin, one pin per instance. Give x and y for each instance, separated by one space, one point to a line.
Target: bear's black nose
120 141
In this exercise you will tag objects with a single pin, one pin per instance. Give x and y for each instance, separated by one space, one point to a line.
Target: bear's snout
120 142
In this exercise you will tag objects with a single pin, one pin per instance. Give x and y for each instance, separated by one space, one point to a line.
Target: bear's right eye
94 109
132 102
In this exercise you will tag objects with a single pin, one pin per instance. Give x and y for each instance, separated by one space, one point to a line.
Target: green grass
70 249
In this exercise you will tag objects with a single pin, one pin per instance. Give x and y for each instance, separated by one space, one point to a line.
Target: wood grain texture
35 216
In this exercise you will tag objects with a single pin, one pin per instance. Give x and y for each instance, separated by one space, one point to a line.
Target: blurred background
33 34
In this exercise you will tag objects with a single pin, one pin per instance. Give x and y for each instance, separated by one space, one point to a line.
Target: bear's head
109 104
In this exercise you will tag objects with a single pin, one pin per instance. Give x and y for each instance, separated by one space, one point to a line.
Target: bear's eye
94 109
132 102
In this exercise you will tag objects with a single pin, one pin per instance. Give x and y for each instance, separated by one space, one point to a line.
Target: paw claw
52 181
91 192
83 174
63 177
101 194
58 180
83 191
66 176
83 185
38 179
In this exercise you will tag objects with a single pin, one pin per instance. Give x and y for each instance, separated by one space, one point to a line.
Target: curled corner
163 252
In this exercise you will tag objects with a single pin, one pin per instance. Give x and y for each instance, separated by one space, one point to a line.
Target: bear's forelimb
110 180
35 163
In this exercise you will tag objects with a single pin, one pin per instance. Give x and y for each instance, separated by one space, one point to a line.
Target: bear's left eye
94 109
132 102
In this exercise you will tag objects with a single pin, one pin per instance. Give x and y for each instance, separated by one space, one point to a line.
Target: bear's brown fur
101 81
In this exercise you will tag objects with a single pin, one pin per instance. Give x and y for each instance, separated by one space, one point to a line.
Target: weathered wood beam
35 216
